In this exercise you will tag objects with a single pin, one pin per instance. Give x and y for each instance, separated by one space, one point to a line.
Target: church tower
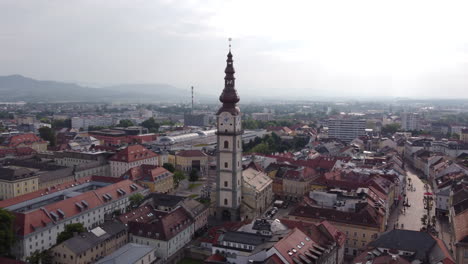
229 152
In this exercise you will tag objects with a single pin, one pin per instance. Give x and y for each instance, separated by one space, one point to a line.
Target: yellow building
360 227
187 160
157 179
91 246
257 192
464 135
17 181
289 181
25 140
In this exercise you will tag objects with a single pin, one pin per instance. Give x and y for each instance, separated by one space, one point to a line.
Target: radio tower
192 100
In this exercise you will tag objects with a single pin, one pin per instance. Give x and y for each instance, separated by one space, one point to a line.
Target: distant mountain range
20 88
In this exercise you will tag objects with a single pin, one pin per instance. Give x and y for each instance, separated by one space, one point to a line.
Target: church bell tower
229 152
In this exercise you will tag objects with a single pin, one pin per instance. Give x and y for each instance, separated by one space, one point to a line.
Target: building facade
17 181
346 129
229 152
131 157
42 215
257 192
88 247
168 232
410 121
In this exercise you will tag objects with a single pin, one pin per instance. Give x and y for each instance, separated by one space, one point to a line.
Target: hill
20 88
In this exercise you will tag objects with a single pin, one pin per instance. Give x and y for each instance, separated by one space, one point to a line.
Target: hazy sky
296 48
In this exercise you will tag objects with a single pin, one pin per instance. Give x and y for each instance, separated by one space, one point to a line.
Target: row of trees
271 144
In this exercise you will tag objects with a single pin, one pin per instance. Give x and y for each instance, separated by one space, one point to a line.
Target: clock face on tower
225 118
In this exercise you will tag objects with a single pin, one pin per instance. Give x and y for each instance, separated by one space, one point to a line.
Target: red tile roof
145 172
26 139
133 153
164 226
141 215
365 216
191 153
448 257
295 244
32 195
216 258
316 231
26 222
4 260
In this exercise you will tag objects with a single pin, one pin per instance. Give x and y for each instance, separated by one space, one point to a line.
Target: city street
411 218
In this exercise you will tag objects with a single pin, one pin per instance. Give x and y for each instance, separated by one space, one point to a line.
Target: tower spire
229 97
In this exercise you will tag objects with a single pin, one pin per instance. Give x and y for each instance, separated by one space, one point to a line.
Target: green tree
37 257
61 123
178 177
169 167
7 236
151 125
125 123
136 199
94 128
193 175
261 148
390 129
48 134
69 230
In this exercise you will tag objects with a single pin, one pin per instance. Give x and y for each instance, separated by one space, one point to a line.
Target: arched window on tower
226 144
225 201
225 184
225 164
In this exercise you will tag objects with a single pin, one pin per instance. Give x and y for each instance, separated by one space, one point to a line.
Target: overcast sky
304 49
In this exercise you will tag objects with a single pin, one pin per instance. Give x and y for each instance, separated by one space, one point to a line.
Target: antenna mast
192 99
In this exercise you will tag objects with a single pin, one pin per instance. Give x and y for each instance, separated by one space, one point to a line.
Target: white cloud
329 45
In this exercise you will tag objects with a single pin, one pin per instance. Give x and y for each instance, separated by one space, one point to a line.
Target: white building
85 122
168 232
346 129
41 216
410 121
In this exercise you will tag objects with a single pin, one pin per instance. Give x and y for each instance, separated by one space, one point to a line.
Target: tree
69 230
390 129
151 125
48 134
7 236
136 199
37 257
61 123
169 167
193 175
94 128
125 123
178 177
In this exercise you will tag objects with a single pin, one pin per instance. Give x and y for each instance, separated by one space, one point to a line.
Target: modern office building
410 121
346 129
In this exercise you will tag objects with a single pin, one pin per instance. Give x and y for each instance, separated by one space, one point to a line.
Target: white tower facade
229 152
